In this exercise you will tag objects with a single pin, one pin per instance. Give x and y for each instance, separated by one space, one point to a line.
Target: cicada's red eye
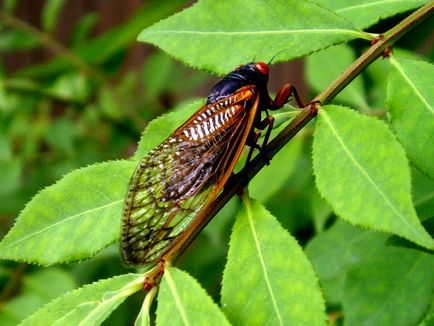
262 67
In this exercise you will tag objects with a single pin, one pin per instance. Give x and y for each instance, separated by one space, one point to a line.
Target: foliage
346 244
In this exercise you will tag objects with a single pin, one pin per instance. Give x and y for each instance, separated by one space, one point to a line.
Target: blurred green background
76 88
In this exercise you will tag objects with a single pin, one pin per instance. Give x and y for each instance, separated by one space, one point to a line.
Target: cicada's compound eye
262 67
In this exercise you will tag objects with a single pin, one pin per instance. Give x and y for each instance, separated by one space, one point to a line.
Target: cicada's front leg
282 97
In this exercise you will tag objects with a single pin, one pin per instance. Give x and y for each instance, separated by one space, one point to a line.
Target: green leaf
364 13
182 301
143 318
89 305
342 247
72 219
326 65
268 279
371 270
410 100
50 14
423 194
362 171
204 34
395 288
83 28
162 127
283 165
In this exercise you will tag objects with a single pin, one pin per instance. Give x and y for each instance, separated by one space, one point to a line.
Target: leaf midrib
232 33
400 69
176 297
60 222
261 259
366 175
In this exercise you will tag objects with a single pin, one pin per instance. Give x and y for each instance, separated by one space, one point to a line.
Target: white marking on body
193 134
204 115
205 127
222 118
199 130
233 109
217 124
209 111
211 124
226 102
186 133
227 115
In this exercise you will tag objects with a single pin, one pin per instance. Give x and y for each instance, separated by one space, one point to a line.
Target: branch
241 179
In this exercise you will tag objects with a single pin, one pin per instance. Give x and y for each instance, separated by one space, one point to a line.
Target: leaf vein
262 260
60 222
366 175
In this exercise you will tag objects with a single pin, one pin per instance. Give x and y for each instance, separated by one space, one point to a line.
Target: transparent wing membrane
177 179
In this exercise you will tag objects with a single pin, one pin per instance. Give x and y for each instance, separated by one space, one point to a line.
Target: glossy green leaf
342 247
50 14
162 127
362 171
410 103
268 279
376 277
323 67
282 165
182 301
395 288
204 34
89 305
364 13
72 219
423 194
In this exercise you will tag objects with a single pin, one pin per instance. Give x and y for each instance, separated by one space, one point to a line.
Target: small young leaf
72 219
88 305
50 14
362 171
182 301
364 13
326 65
143 318
395 288
204 34
410 100
268 279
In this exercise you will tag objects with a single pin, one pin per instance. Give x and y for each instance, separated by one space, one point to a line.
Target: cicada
174 184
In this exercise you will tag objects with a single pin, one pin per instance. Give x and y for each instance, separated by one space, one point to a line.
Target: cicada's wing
176 180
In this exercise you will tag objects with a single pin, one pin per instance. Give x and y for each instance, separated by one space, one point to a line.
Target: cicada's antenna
274 56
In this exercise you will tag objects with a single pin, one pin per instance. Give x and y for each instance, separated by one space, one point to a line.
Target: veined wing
176 180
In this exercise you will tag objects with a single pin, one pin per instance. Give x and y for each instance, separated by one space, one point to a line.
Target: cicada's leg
283 95
252 141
